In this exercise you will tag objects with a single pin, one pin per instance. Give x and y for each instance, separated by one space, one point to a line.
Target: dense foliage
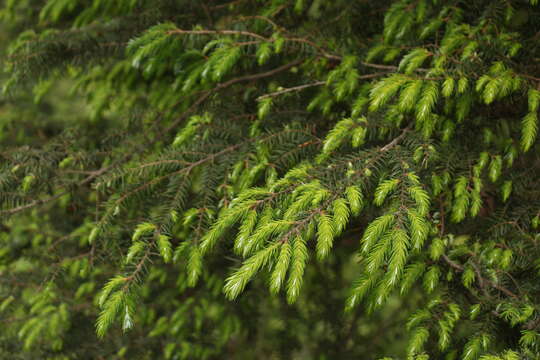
280 179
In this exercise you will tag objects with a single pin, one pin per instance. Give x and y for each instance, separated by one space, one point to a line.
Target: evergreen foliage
282 179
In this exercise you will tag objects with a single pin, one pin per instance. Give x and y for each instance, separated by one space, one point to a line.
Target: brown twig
317 83
481 280
218 32
291 89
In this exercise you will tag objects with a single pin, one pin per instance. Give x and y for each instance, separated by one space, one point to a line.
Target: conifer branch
225 85
482 280
280 132
49 199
